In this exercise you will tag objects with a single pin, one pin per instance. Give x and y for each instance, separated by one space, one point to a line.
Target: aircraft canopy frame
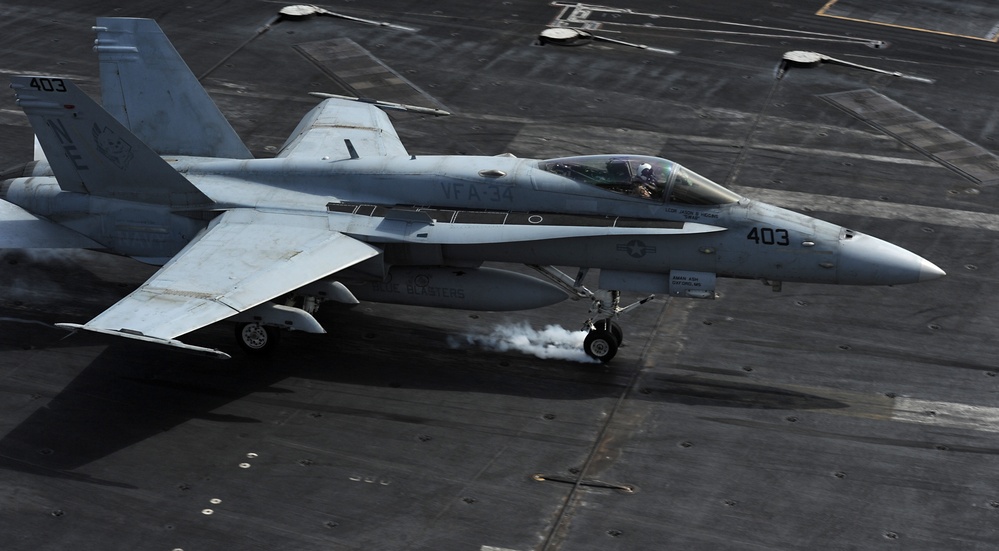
651 178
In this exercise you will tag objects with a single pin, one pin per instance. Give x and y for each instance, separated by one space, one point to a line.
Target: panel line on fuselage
508 218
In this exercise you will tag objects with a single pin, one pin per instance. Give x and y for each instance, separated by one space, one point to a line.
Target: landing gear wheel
257 339
600 345
612 326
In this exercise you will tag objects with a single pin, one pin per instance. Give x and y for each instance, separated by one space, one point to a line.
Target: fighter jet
344 213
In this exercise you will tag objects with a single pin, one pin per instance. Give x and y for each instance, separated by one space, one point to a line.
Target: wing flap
243 259
324 132
166 342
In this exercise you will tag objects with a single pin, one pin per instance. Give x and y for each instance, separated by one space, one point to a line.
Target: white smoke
553 342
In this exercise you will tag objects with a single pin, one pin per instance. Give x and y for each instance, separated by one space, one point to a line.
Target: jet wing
19 229
339 129
244 258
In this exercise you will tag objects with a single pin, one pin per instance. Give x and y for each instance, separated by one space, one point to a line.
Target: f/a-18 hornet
344 213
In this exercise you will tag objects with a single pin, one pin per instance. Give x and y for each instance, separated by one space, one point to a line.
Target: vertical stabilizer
91 152
148 87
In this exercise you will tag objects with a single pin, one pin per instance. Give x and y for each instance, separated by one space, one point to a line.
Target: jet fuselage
752 239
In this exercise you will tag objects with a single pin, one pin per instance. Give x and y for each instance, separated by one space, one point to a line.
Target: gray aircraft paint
345 196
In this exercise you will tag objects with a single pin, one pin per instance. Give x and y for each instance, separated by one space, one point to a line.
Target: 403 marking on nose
769 236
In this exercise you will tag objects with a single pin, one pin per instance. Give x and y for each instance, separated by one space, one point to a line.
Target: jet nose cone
929 270
866 260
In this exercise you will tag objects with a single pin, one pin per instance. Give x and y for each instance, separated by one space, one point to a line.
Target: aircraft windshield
690 188
649 178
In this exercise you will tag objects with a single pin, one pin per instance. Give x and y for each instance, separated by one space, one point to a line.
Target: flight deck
819 416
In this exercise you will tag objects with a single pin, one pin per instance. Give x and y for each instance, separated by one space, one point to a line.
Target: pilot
646 184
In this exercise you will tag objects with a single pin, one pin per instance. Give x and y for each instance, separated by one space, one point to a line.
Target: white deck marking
945 414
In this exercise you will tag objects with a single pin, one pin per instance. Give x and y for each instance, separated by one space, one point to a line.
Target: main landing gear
604 335
257 339
258 330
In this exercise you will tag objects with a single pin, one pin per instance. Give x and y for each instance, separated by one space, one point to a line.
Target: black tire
600 345
608 324
257 339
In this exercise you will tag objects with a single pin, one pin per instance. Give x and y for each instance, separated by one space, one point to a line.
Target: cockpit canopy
649 178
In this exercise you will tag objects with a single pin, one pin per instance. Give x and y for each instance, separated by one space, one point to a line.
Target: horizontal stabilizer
39 155
19 229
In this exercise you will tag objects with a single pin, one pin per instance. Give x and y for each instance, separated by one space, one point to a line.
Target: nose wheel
603 340
604 335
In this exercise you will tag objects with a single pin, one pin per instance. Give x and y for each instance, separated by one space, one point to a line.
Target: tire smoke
553 342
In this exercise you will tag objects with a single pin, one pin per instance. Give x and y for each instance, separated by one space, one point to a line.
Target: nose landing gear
603 339
604 335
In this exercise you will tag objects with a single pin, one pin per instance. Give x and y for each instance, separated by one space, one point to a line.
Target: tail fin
148 87
91 152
